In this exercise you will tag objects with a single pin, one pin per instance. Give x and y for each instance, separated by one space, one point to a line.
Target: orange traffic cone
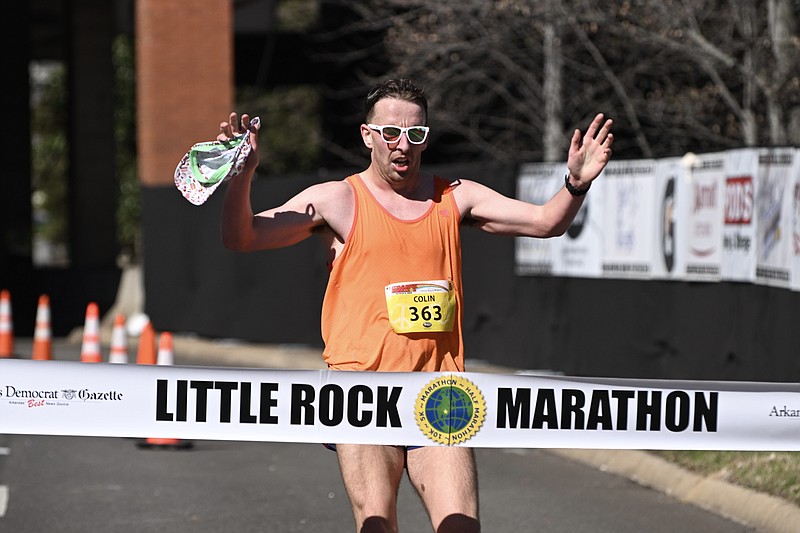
146 355
165 354
119 341
42 335
90 347
165 443
165 357
6 326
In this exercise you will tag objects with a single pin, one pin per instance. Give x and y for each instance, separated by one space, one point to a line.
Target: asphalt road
88 484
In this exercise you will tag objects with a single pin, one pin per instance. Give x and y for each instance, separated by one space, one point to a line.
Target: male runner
391 224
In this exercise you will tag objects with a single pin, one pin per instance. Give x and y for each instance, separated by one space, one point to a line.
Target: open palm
588 155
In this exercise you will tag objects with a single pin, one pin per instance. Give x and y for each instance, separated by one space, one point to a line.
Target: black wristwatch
573 190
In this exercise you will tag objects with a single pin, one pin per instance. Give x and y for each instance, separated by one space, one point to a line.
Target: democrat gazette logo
450 410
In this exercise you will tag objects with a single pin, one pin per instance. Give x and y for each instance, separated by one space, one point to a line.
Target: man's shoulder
330 197
334 187
459 186
454 182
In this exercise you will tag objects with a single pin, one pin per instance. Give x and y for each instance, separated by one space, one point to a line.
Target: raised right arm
288 224
280 226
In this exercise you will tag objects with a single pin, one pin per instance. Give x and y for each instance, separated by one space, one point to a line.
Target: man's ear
366 136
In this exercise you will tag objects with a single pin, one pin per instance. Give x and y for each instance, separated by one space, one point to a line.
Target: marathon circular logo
450 410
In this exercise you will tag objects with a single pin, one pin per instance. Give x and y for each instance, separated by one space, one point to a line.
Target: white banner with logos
537 183
739 230
774 212
579 252
458 409
668 259
630 198
701 208
796 233
723 216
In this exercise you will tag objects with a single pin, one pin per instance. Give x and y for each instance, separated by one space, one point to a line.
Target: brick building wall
184 55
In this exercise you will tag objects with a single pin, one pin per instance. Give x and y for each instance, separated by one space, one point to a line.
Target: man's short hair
399 88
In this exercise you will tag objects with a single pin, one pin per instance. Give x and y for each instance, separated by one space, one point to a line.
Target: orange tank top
380 250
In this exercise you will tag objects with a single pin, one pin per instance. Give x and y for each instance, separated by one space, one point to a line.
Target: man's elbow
234 242
555 230
232 245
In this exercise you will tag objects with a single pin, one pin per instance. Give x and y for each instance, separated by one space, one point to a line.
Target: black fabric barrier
580 327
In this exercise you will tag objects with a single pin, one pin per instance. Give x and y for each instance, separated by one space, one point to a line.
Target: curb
746 506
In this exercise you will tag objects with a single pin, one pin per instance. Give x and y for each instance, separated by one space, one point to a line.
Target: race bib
421 306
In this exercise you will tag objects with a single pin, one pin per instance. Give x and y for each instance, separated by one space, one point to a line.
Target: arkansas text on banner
461 409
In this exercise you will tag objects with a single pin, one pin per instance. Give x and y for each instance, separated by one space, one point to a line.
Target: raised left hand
588 155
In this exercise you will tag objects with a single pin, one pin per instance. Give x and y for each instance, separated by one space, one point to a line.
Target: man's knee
371 476
446 480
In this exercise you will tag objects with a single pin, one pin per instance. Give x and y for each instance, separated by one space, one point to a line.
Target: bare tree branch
693 74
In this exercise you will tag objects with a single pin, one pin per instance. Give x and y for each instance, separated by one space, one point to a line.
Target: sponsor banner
429 409
667 260
739 229
579 252
776 182
628 222
796 228
537 183
702 210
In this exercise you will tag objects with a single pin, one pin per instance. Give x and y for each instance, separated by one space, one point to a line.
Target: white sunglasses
392 134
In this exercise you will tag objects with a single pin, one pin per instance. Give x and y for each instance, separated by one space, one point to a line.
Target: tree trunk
781 31
552 88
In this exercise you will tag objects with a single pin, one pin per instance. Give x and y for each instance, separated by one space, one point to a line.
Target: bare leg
446 479
372 475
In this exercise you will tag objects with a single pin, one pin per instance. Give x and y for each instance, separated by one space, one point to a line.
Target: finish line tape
457 409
